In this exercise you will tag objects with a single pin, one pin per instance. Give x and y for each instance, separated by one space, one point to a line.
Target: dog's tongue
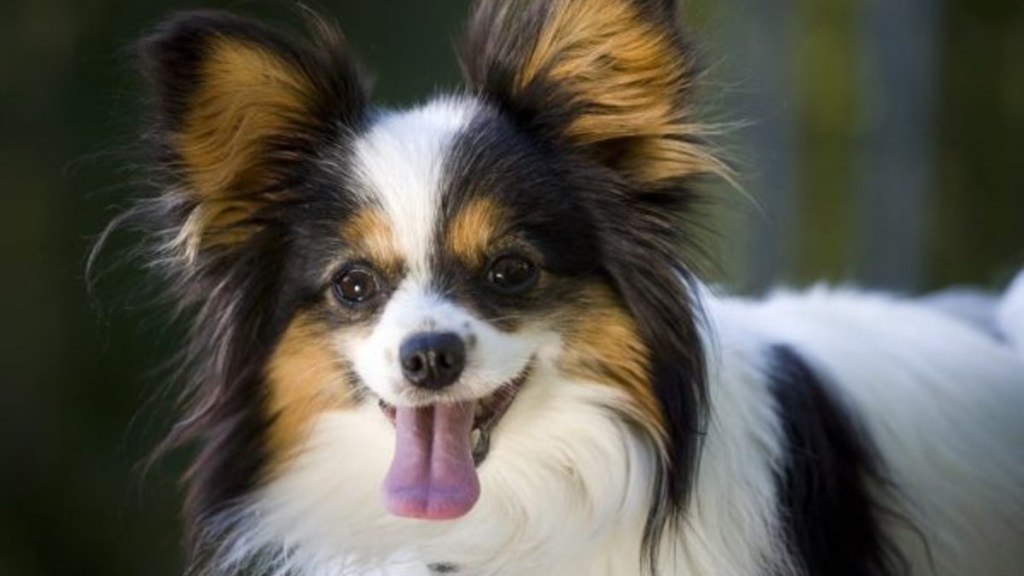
432 475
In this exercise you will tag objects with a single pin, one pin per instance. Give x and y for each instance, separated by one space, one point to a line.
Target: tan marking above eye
305 378
368 233
474 230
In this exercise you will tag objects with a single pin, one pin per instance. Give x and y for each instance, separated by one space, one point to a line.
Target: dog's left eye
512 274
357 284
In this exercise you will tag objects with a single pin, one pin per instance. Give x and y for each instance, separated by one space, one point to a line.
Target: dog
465 338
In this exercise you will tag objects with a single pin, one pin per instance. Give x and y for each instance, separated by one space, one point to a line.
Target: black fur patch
832 521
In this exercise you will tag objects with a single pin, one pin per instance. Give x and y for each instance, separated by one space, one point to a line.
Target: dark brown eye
357 284
512 274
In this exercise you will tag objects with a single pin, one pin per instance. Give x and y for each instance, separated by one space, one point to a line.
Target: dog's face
456 258
439 313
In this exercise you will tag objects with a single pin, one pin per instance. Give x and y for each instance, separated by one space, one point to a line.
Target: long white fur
1010 314
566 487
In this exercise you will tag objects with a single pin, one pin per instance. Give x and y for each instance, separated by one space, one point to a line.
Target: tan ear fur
247 96
240 109
619 68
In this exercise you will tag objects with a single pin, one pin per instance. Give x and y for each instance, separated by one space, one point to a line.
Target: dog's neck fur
569 497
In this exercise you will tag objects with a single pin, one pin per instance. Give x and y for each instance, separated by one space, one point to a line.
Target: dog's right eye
357 284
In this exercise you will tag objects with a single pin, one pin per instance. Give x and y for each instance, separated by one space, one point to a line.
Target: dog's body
461 338
940 399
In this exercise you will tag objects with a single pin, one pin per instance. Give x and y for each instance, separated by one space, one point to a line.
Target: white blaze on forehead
399 165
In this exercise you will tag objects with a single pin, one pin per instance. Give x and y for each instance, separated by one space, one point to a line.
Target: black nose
432 360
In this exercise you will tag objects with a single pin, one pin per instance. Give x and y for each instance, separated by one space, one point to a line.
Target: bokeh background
880 142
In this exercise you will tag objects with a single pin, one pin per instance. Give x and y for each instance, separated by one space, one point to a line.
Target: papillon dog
464 337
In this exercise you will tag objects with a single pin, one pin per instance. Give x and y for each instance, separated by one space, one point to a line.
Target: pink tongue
432 475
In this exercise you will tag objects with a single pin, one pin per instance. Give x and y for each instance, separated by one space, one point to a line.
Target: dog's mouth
437 449
488 411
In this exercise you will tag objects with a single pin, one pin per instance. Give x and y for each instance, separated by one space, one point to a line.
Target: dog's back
935 395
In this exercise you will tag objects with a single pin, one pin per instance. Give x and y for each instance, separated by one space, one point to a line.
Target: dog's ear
613 82
610 78
238 110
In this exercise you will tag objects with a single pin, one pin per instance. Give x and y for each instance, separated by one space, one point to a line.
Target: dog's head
402 310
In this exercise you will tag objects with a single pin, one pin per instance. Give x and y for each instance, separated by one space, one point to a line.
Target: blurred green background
883 141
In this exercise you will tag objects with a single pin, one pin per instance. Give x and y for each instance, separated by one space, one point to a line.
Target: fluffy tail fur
1011 312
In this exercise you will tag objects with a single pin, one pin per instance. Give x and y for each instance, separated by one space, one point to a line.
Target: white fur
1010 316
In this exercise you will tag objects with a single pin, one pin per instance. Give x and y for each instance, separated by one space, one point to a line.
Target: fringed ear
240 116
612 82
239 109
611 78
